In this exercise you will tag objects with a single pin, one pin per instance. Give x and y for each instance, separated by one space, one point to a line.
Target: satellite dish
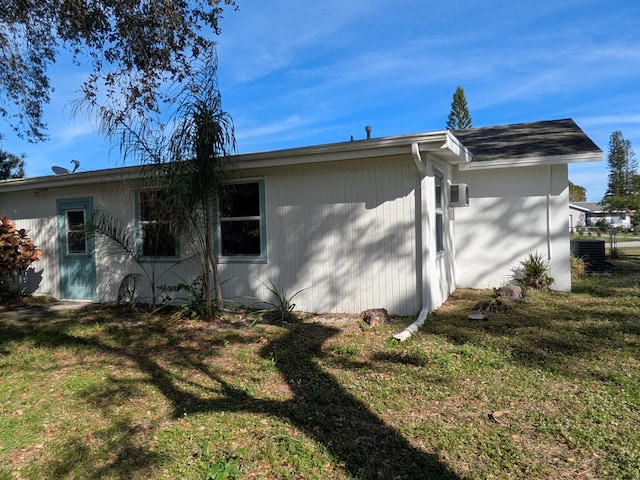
63 171
60 170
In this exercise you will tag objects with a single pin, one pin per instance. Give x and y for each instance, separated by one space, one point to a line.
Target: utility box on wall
459 195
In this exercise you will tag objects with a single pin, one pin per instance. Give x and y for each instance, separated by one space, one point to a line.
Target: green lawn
549 389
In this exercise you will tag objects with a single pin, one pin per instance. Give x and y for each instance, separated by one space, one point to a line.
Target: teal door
77 256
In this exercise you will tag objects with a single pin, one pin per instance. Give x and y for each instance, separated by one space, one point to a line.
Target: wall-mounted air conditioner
459 195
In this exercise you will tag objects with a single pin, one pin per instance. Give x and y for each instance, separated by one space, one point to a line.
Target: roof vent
368 130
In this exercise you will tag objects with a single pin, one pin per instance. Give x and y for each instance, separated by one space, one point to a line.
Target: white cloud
291 123
73 131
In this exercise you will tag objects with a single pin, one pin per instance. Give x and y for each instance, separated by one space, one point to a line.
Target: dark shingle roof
591 206
535 139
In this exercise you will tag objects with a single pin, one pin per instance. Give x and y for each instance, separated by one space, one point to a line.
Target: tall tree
200 161
134 49
577 193
621 191
459 116
189 162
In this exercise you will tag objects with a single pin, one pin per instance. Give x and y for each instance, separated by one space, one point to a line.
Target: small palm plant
281 305
534 272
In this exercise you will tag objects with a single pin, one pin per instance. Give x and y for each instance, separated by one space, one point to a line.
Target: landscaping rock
510 292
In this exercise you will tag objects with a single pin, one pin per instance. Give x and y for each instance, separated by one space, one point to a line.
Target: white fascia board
441 143
576 207
71 179
532 161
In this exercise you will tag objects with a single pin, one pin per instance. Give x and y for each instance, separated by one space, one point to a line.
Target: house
376 223
591 214
577 216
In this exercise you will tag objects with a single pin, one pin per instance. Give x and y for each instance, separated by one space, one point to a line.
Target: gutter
422 316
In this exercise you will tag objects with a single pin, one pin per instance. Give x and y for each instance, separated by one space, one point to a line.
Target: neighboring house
577 216
361 224
589 214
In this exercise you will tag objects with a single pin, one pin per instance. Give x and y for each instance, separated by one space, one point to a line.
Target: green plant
534 272
282 306
224 469
269 365
195 305
349 349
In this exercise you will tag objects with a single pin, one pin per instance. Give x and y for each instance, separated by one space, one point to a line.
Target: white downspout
549 217
422 316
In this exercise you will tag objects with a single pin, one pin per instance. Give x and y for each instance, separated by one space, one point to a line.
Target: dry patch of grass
548 389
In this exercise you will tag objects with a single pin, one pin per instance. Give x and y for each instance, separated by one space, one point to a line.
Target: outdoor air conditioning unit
459 195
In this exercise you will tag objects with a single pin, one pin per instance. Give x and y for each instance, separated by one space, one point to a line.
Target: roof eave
92 177
441 144
533 161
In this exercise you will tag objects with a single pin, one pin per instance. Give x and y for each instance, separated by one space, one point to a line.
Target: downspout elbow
413 328
417 159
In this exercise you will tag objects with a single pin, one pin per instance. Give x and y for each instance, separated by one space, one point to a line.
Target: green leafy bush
194 306
17 253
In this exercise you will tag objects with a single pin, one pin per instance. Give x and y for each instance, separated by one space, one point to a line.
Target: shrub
281 307
534 272
194 306
17 253
578 267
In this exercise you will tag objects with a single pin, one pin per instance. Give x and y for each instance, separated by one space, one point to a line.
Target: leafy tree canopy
459 116
133 46
11 165
577 193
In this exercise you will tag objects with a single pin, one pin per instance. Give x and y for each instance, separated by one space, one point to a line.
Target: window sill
249 260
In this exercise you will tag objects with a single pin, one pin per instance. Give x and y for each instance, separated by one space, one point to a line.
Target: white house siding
346 234
507 219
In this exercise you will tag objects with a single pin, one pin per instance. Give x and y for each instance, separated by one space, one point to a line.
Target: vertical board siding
346 236
507 219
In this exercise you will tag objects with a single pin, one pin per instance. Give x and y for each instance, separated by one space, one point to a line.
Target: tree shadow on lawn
325 411
320 407
357 438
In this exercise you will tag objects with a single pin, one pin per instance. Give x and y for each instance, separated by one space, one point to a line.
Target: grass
549 389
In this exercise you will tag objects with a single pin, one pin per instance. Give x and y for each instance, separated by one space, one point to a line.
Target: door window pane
76 235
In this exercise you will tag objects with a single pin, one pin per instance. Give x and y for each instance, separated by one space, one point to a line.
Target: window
158 233
439 194
76 235
242 226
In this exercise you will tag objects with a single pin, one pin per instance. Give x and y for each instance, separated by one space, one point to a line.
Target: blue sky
306 73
